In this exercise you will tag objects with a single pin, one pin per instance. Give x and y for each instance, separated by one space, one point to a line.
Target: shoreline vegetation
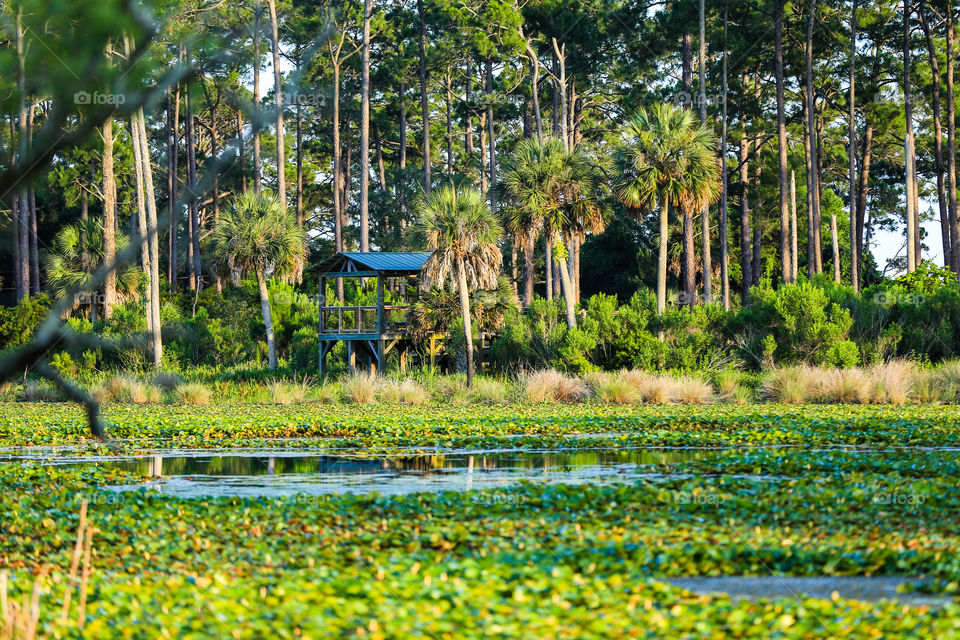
895 382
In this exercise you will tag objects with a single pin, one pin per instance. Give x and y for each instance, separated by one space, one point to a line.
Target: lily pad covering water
862 493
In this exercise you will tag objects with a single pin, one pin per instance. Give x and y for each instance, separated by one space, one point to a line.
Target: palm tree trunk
662 257
528 269
365 132
467 326
278 97
548 268
267 320
567 284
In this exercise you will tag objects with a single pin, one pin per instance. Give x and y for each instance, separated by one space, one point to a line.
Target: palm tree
668 159
553 190
259 236
463 234
77 252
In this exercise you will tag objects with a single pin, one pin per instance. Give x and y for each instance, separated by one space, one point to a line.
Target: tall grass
360 388
549 385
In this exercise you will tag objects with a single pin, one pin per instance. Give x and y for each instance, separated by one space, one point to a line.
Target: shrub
192 393
549 385
727 382
452 389
360 388
34 391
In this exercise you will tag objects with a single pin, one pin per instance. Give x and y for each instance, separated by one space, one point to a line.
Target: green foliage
18 324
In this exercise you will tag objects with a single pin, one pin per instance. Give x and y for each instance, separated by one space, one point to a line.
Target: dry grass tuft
360 388
167 381
125 389
34 391
791 385
892 382
693 390
403 392
489 391
549 385
192 393
655 389
845 386
612 388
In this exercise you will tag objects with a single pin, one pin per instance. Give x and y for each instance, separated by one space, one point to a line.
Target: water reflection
285 474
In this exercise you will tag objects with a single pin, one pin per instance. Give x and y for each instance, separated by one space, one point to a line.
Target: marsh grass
360 388
123 388
192 393
549 385
406 391
612 388
489 391
693 390
791 385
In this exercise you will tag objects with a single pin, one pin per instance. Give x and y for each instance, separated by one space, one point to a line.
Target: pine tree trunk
299 160
152 242
278 98
194 209
491 135
567 285
908 142
256 100
424 98
785 258
449 114
952 146
866 155
814 250
724 178
109 219
535 89
173 122
705 212
548 268
365 132
746 232
852 147
794 232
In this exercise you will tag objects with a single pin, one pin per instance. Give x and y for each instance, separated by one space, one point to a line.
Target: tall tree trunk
782 147
705 212
299 159
194 200
528 273
866 155
686 75
32 202
794 232
378 146
242 157
278 98
566 283
20 290
365 132
449 114
724 178
908 143
173 144
337 165
852 148
23 287
560 75
548 268
952 144
535 88
109 219
256 99
746 231
468 114
689 268
141 216
483 154
467 325
662 256
268 320
152 242
491 135
814 250
424 98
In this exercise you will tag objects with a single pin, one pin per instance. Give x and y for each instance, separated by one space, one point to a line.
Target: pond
279 473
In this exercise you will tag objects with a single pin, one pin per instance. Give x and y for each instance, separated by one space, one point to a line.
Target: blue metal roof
389 260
